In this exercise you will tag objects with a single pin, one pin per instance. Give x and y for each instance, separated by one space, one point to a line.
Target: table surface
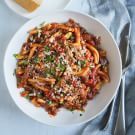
12 120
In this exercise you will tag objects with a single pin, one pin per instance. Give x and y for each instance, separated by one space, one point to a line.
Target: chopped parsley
49 72
42 24
92 65
36 60
71 109
46 48
17 56
68 35
81 63
52 71
27 97
49 58
72 37
58 79
55 53
49 102
62 67
24 62
61 102
39 95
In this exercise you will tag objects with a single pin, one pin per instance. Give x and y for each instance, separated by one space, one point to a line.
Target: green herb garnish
61 102
42 24
49 102
68 35
58 79
92 65
49 72
17 56
27 97
52 71
55 53
81 63
71 109
24 62
49 58
72 37
36 60
47 48
62 67
39 95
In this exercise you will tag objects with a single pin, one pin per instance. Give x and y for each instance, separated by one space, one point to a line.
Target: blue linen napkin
115 14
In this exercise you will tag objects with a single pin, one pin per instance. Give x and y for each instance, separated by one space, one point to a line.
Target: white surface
46 5
12 120
95 106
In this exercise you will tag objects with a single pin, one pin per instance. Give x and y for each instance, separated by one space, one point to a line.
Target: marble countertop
12 120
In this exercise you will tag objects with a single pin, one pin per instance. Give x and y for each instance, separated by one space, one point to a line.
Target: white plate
95 106
47 5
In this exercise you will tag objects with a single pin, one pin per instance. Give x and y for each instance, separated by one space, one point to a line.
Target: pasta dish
61 65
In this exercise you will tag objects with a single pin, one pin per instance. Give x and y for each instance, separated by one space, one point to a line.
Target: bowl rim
84 121
31 17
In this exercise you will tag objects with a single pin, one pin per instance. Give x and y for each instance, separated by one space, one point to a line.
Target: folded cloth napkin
115 14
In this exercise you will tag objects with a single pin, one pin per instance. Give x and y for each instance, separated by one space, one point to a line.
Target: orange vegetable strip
95 53
32 52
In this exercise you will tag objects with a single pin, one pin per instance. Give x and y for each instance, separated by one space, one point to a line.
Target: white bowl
95 106
47 5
